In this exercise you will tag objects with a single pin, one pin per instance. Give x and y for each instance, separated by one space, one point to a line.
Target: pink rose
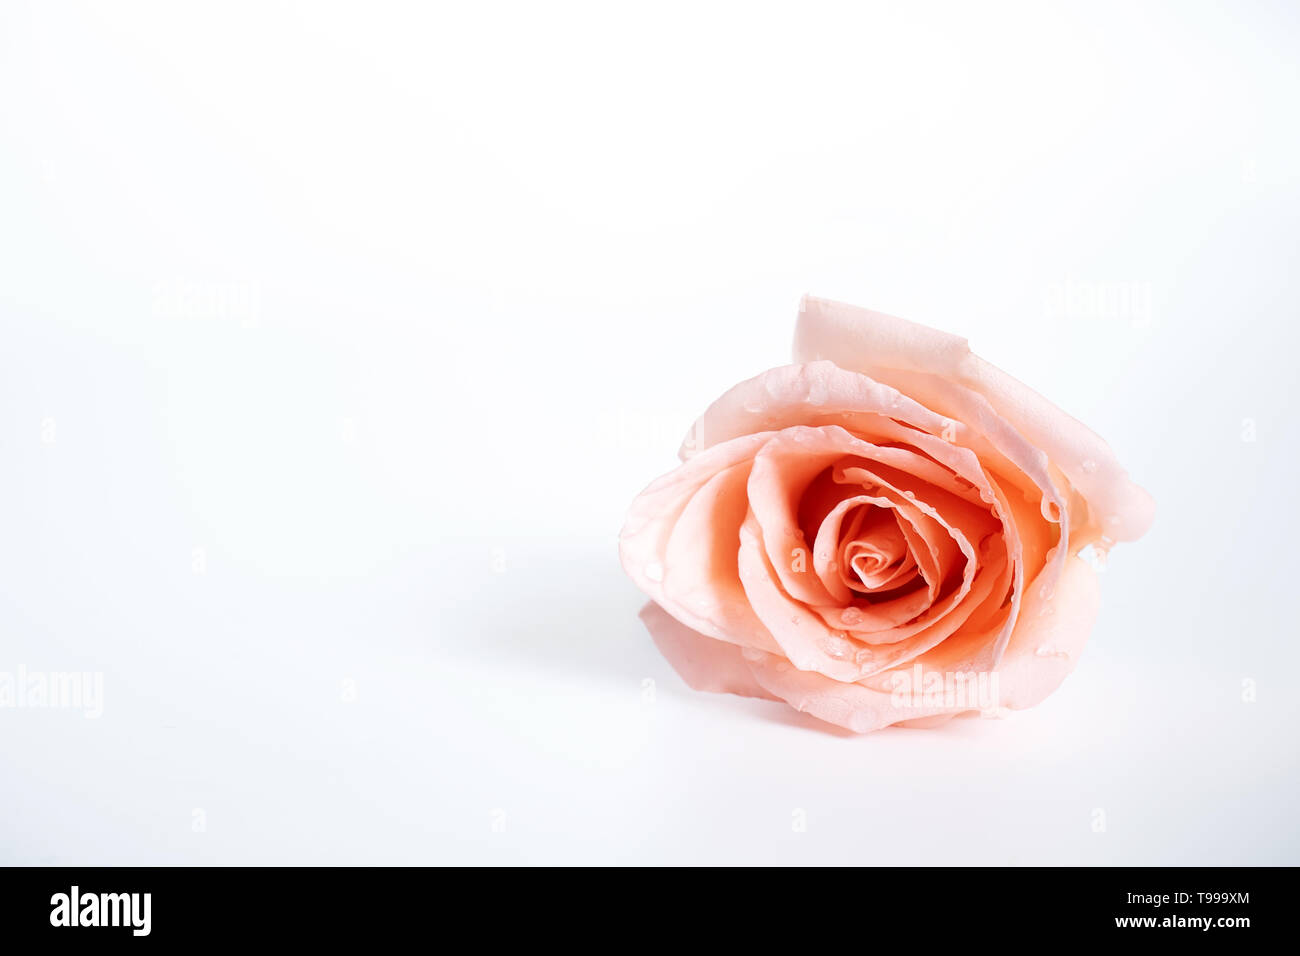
885 532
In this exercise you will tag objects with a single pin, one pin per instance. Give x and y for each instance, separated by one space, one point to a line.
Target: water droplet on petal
1047 651
1096 554
837 648
851 616
1089 465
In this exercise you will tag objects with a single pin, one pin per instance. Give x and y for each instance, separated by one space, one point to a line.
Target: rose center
874 554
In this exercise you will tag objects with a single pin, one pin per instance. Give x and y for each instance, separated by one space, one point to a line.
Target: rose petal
1056 618
705 664
697 583
855 706
941 372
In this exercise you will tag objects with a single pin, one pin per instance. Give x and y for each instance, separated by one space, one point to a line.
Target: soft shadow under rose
886 532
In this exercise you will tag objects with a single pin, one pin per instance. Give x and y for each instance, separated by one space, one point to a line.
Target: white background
337 339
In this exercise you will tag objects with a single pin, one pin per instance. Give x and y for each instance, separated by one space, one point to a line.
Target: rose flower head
885 532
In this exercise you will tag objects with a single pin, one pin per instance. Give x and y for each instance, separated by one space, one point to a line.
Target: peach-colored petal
817 393
941 372
705 664
803 636
1055 621
855 706
700 578
705 595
